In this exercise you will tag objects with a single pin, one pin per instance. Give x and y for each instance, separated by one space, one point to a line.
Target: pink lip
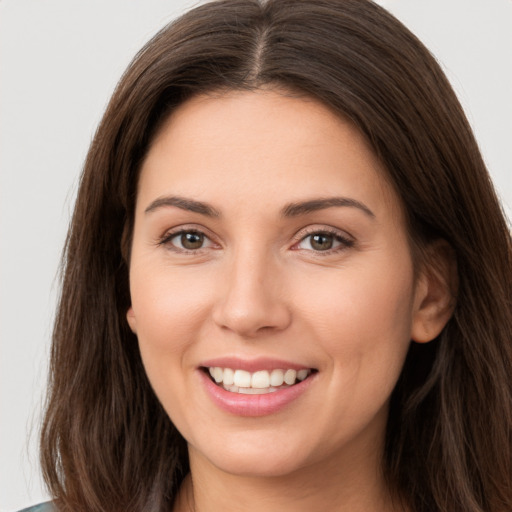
252 365
253 405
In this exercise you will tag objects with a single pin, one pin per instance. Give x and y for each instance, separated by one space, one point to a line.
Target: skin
258 287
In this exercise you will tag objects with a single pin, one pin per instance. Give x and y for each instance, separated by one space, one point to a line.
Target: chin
256 459
257 467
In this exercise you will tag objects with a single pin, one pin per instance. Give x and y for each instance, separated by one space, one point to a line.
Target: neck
328 485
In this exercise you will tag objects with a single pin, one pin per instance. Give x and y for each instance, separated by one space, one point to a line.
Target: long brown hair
107 444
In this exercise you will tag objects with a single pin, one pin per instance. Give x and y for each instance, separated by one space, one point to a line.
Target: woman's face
268 245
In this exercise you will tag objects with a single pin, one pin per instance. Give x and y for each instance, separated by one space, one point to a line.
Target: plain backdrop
59 63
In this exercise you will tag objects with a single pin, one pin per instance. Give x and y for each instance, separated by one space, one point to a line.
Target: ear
436 292
132 322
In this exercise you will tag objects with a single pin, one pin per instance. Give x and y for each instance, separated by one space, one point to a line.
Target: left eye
323 242
189 240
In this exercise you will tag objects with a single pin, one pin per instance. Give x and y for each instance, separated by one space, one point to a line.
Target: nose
252 299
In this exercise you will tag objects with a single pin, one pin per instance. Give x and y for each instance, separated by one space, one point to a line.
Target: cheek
163 298
363 328
376 298
362 320
170 310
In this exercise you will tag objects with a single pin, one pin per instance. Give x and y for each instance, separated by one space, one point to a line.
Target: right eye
187 240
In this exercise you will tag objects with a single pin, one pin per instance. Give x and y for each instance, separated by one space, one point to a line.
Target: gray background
59 63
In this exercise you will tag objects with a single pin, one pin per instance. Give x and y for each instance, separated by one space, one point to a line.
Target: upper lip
253 365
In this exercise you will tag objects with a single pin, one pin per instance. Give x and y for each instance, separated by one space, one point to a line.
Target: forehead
256 143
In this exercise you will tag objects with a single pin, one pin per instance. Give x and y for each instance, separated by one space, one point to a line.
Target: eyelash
344 241
166 240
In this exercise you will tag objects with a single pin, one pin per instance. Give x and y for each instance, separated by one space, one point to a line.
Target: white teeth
242 379
255 391
229 375
262 381
290 376
218 374
252 391
277 377
302 374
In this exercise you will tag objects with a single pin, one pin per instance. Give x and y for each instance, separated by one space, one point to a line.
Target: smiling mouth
257 383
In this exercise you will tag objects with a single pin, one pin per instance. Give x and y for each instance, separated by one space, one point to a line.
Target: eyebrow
290 210
313 205
185 204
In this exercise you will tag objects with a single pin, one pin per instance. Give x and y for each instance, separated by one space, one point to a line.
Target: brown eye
191 240
321 242
187 241
324 241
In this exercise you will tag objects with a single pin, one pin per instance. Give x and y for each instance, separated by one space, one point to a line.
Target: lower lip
253 405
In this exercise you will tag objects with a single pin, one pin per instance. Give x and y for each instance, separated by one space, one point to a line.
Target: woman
287 279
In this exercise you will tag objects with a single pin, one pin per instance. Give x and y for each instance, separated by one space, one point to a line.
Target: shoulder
42 507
